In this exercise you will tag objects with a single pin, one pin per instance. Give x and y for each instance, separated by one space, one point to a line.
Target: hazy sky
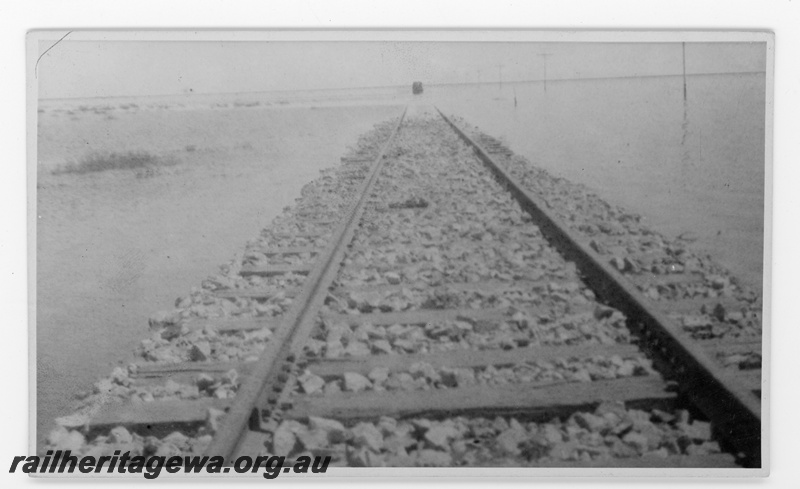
121 68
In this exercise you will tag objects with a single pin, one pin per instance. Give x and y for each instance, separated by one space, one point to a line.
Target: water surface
693 167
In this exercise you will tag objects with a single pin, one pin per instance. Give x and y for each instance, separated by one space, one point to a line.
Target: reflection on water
685 123
692 153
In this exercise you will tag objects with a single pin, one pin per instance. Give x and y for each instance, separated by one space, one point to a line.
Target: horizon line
494 82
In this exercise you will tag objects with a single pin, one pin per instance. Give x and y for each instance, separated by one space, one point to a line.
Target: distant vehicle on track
416 88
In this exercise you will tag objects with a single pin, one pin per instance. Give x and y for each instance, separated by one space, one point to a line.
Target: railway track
434 301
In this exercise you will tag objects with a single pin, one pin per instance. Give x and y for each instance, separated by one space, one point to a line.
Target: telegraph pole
544 58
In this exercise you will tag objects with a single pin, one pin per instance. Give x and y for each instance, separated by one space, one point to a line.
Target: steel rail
734 410
299 320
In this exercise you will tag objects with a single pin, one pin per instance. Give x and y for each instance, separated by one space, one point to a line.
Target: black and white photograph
273 253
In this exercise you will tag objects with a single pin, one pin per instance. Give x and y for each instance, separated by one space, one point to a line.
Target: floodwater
687 167
114 247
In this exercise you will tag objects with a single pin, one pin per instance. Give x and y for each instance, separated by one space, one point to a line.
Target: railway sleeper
534 402
497 424
484 286
463 358
254 293
257 444
289 250
272 270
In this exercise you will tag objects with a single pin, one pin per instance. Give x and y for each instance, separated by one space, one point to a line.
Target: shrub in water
114 161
